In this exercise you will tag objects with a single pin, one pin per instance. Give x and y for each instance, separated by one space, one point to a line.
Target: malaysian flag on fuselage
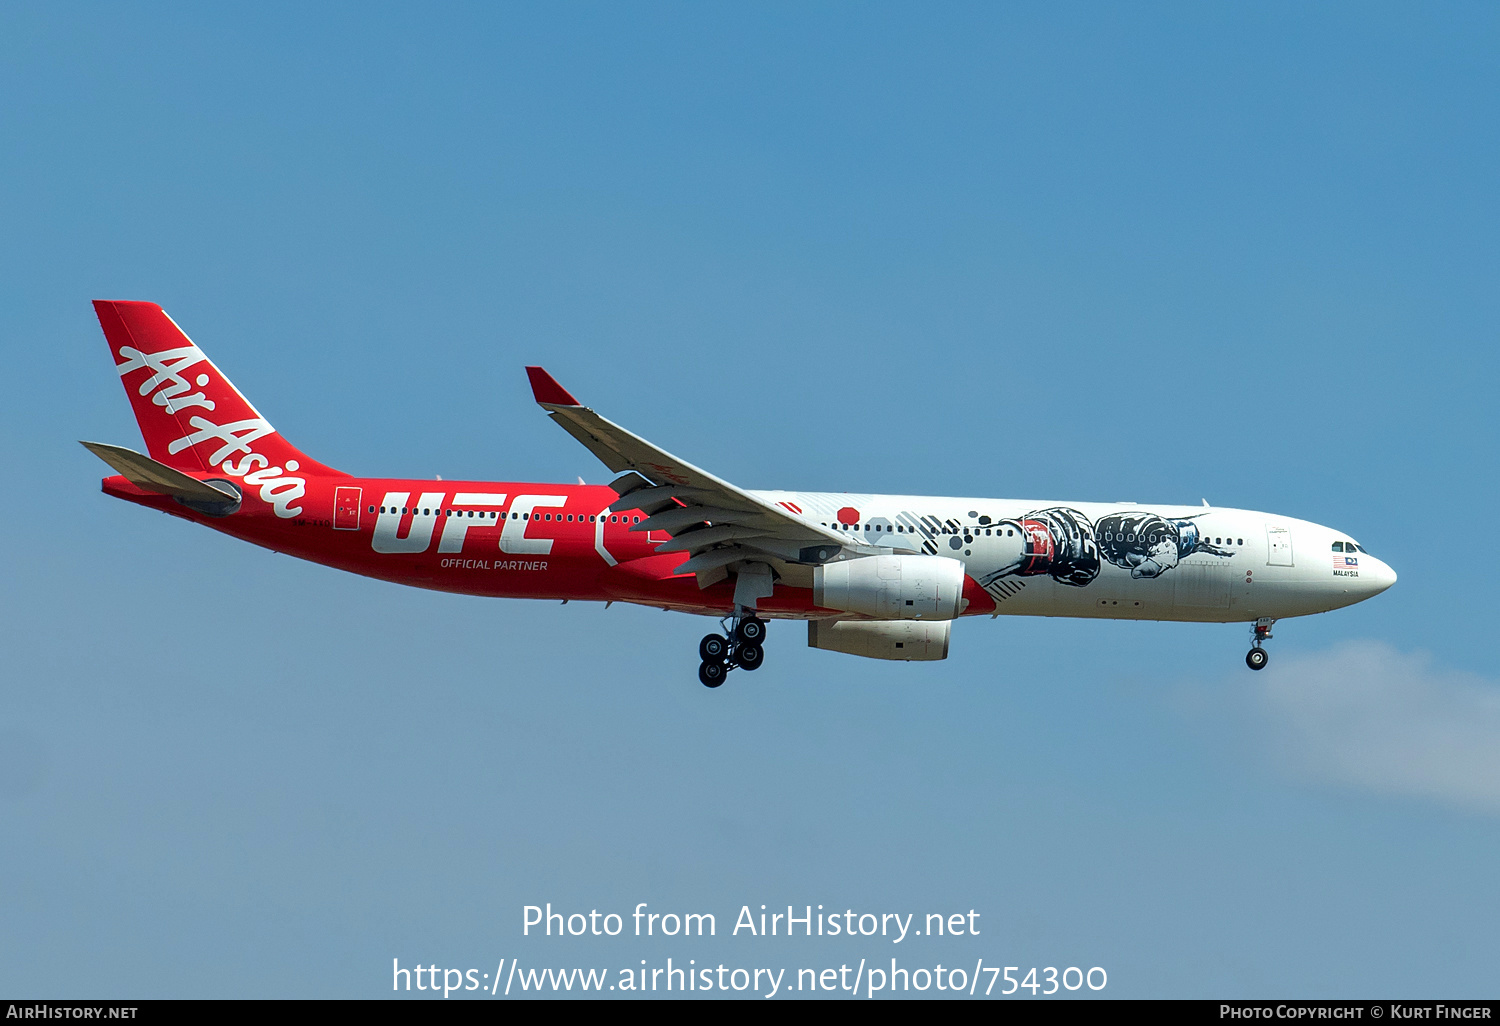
1342 561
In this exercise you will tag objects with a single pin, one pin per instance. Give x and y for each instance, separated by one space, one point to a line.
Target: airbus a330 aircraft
882 576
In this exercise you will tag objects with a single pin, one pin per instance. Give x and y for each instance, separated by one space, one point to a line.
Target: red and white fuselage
694 543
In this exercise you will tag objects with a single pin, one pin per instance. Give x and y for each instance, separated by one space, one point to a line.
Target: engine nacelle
892 587
899 639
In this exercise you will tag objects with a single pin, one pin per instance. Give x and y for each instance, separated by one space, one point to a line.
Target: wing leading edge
721 527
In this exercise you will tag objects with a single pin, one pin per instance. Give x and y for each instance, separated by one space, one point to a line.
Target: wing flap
708 537
713 559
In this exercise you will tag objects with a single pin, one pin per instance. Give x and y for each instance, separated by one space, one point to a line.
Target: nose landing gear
1260 633
740 650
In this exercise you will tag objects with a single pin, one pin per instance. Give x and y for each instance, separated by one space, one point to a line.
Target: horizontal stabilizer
149 475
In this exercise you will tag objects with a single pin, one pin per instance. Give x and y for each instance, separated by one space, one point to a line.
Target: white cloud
1368 715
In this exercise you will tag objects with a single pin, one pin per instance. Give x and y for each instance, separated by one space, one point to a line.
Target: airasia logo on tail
169 389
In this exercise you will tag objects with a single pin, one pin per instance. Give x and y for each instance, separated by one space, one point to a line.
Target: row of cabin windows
1150 538
1007 533
1010 532
495 516
897 528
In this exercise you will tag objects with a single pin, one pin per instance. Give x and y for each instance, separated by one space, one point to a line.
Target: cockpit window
1338 546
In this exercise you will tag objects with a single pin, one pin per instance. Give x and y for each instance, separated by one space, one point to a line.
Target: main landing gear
1260 633
741 649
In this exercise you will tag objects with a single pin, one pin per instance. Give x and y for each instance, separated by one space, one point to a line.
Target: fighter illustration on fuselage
882 576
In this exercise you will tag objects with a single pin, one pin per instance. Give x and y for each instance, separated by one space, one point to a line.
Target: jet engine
892 587
909 640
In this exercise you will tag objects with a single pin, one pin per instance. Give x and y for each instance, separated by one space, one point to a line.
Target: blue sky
1154 253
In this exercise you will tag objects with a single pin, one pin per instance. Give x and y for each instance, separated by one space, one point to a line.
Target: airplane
880 576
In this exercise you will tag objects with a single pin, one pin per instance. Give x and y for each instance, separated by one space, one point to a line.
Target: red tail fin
191 416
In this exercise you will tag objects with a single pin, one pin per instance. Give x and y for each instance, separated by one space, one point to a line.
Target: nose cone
1375 575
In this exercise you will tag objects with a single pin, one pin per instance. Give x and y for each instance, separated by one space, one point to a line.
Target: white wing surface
719 527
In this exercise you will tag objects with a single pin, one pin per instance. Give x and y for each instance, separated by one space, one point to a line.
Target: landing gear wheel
749 657
711 673
751 631
1257 658
713 648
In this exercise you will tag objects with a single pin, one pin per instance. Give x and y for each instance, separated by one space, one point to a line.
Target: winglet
546 389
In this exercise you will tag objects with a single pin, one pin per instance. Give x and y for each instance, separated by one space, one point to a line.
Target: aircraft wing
714 523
